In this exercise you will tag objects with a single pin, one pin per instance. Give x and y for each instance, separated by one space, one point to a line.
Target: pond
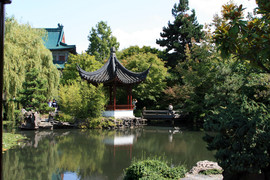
99 154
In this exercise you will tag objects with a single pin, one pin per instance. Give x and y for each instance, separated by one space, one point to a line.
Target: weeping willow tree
24 50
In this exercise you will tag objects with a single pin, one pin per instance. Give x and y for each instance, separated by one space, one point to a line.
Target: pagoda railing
119 107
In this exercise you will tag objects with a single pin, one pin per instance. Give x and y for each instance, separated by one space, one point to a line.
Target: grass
11 140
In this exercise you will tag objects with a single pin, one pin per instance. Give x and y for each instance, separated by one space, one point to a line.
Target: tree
134 50
85 61
77 98
101 40
25 50
240 119
33 94
179 33
197 75
239 103
150 91
247 40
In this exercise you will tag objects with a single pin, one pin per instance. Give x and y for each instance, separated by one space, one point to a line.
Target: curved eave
113 71
128 77
99 76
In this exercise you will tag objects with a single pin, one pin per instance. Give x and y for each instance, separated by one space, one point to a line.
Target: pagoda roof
56 40
113 71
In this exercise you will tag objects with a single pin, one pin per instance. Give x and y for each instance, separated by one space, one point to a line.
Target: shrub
153 169
97 123
65 117
242 141
211 171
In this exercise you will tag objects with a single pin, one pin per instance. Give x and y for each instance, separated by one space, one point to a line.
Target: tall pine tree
179 33
32 96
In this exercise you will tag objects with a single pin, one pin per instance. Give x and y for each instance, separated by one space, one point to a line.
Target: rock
204 165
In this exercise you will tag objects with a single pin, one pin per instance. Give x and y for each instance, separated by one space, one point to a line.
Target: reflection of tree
185 147
41 161
81 153
51 153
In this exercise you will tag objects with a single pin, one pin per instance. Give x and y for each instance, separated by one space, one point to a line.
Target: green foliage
65 117
196 79
101 40
153 169
150 91
179 33
10 140
135 50
97 123
243 132
85 61
245 39
239 113
32 96
24 50
78 98
211 172
82 100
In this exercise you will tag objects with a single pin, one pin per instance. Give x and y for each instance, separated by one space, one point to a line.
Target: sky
132 22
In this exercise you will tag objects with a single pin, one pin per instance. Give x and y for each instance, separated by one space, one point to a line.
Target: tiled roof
113 71
54 41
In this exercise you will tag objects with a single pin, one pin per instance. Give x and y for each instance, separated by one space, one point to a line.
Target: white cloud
146 37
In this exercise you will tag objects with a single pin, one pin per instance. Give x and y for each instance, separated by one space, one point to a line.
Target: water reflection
97 154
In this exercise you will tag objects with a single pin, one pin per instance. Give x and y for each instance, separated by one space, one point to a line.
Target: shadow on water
99 154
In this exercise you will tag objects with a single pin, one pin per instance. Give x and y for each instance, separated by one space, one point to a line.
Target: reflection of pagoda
119 143
113 74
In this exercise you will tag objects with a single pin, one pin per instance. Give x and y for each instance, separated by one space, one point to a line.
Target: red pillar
128 97
114 96
111 94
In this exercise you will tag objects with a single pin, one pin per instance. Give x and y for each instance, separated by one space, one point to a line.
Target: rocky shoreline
33 121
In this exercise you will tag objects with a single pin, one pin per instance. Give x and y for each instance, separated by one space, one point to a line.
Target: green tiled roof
54 40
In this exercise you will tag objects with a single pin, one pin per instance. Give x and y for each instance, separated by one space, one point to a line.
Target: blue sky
132 22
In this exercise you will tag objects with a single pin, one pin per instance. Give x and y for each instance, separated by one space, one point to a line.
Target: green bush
153 169
65 117
242 141
97 123
211 171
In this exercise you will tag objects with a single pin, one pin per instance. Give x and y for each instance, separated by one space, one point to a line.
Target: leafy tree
82 100
150 91
25 50
134 50
101 40
32 96
76 97
239 101
242 125
247 40
85 61
179 33
196 79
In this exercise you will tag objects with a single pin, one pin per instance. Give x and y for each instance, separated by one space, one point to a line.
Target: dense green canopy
24 50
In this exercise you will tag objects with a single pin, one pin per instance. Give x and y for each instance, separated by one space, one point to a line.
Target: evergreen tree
32 96
101 40
179 33
24 50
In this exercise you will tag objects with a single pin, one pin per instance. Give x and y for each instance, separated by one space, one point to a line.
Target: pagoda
114 75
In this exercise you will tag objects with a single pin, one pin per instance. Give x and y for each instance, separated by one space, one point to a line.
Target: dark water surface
98 154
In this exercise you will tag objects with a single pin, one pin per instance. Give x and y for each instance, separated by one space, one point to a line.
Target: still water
99 154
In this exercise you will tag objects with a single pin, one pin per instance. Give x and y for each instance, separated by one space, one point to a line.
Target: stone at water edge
204 165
